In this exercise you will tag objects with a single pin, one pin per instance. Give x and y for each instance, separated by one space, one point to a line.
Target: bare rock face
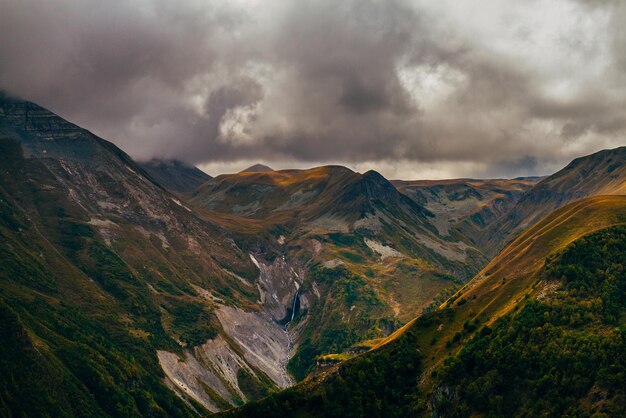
258 345
266 345
278 284
215 365
188 375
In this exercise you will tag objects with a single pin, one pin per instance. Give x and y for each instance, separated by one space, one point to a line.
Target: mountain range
153 289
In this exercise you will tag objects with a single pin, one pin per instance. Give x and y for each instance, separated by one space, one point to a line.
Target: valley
154 289
432 360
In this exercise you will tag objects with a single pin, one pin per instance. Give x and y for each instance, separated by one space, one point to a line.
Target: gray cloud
512 91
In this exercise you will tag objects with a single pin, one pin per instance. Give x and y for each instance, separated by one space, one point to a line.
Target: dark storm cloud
324 81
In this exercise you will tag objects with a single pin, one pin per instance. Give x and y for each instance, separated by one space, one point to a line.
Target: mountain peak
175 175
257 168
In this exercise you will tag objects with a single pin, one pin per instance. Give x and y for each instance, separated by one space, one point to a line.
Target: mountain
349 253
257 168
459 204
116 298
601 173
176 176
540 331
333 195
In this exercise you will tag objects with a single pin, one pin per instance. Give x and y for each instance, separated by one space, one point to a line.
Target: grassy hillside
539 331
74 342
563 354
512 275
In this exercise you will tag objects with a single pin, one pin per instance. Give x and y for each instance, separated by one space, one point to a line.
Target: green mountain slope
74 340
561 355
120 299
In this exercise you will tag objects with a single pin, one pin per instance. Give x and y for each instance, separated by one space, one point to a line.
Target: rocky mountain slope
539 331
176 176
115 295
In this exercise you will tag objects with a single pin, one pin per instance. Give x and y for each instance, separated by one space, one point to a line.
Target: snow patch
181 205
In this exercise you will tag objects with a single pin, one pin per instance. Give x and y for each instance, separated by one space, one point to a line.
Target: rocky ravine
257 344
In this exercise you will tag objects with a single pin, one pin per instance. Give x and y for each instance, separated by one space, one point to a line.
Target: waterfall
293 307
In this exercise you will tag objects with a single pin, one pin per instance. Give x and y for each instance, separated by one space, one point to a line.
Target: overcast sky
412 88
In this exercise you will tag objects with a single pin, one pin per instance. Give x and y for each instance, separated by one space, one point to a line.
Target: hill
538 331
561 354
176 176
116 298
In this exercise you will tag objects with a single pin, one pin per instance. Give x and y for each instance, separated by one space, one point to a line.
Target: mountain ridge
600 173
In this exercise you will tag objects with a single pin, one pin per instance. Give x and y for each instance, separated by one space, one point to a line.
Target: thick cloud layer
412 88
